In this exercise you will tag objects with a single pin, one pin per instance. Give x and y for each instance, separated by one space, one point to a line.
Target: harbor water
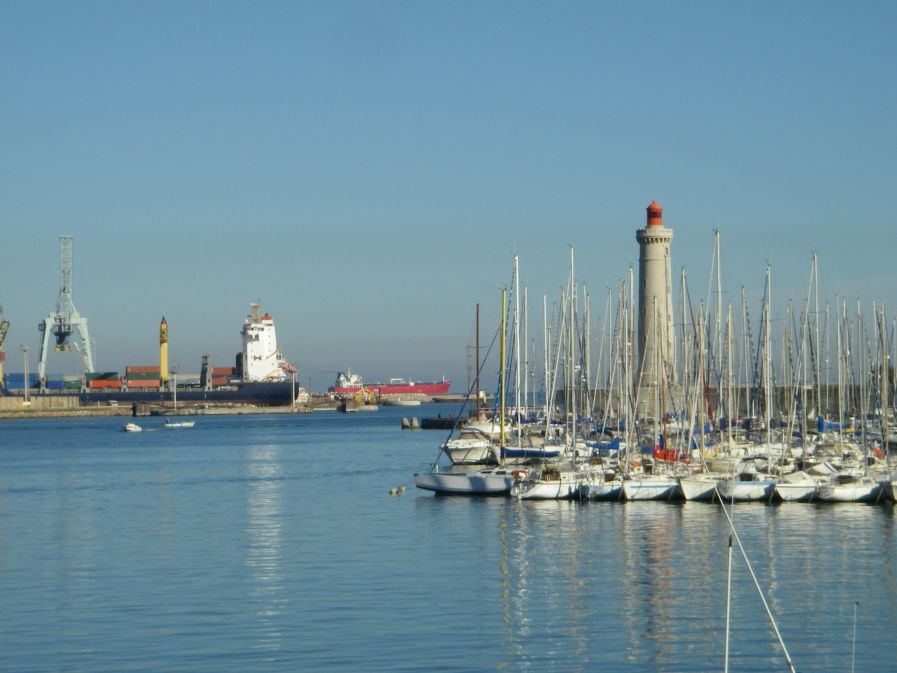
271 543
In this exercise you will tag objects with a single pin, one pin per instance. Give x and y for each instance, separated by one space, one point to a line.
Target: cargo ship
348 383
261 376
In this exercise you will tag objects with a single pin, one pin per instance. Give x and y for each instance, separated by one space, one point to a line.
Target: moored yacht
486 481
746 487
650 487
701 487
850 487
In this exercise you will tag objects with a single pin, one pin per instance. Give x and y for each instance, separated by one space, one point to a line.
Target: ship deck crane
62 322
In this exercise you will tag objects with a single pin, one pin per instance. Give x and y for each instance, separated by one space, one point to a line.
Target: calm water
269 543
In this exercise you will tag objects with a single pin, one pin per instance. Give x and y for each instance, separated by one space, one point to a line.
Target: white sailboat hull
604 490
547 490
744 491
858 492
480 482
799 492
698 487
650 488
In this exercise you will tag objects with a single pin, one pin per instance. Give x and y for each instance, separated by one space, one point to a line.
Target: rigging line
466 398
750 568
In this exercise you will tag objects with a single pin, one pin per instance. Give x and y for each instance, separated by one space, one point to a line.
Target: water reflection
549 594
264 535
643 585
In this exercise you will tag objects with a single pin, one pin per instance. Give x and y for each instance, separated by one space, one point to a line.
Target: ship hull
439 388
255 392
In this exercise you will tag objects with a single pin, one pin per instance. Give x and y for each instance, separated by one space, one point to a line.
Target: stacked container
16 381
222 376
142 376
103 380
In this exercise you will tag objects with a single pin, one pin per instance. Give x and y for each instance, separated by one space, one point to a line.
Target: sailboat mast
517 340
745 360
685 337
525 354
719 313
885 358
545 350
586 353
573 378
730 414
631 335
767 355
816 383
501 387
840 351
478 364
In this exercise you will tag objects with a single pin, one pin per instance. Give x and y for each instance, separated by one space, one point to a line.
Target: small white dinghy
131 427
178 424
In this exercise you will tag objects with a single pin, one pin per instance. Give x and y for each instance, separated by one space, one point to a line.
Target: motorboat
471 451
131 427
178 424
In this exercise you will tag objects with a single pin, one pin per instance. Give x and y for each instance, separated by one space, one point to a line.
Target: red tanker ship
348 383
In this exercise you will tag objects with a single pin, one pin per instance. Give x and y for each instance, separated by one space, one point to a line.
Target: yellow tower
163 350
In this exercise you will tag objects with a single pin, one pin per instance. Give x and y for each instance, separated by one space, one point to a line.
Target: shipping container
108 376
17 380
55 384
104 383
72 385
136 384
142 376
142 369
223 371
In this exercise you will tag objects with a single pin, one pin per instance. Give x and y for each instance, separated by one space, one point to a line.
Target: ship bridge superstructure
262 359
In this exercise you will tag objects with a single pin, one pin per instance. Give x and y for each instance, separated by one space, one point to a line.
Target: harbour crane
62 322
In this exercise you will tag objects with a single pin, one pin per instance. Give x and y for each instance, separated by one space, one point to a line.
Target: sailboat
855 484
653 484
797 487
850 486
489 481
747 486
570 477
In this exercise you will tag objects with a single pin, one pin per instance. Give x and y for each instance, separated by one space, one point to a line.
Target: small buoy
397 490
406 424
415 424
401 490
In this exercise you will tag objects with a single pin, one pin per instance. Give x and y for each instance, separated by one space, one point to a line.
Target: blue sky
368 169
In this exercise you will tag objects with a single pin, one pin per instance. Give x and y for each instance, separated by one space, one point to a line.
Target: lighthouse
656 337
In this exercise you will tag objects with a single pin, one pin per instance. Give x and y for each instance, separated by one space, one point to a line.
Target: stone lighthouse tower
655 301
